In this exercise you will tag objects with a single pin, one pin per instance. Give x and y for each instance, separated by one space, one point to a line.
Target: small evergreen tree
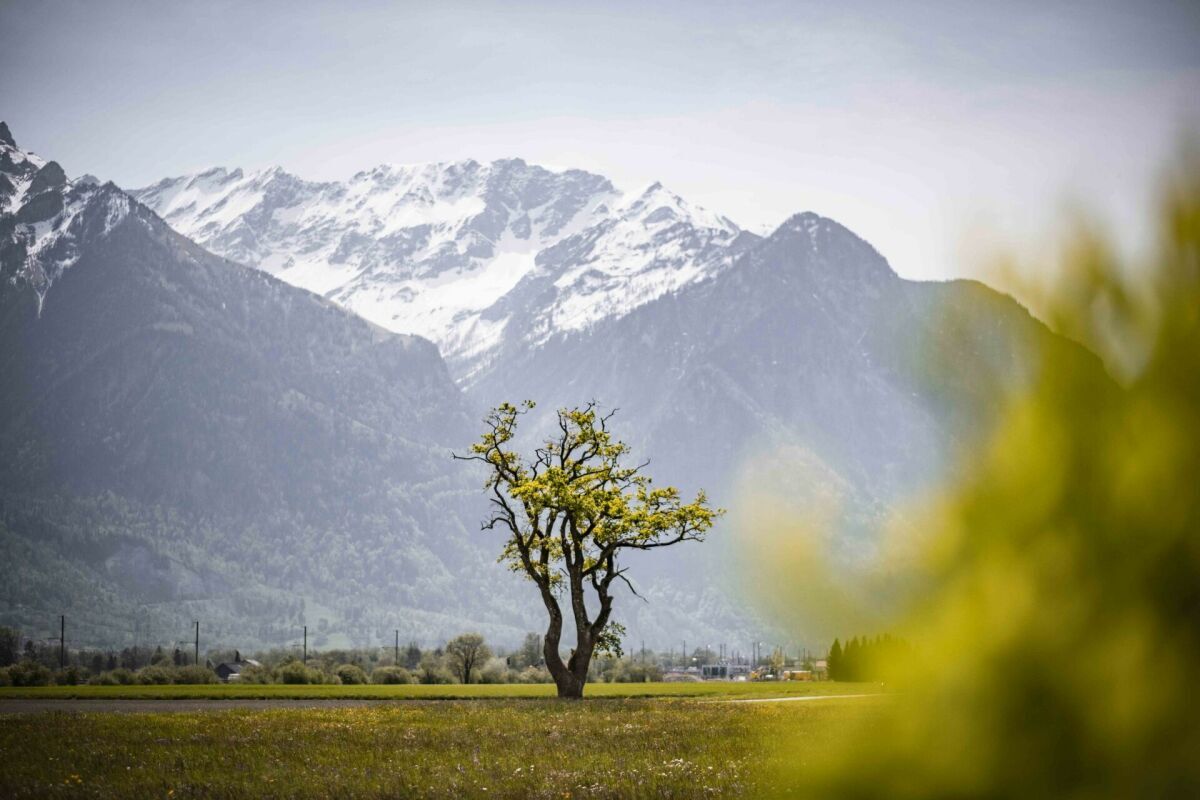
834 661
530 654
10 646
412 656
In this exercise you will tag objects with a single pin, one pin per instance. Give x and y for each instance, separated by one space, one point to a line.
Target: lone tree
569 512
465 653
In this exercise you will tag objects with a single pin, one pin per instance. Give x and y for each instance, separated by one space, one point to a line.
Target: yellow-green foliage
1058 634
577 483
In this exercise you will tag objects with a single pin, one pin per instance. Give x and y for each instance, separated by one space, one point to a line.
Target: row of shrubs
496 671
31 673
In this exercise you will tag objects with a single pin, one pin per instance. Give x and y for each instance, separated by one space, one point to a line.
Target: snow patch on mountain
656 243
464 253
17 170
45 218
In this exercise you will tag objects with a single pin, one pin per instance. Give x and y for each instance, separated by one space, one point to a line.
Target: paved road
798 699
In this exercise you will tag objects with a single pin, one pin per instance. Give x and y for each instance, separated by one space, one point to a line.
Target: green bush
103 679
255 675
391 675
123 676
636 673
29 673
495 671
5 678
351 674
295 672
156 676
433 670
534 675
437 675
194 674
71 676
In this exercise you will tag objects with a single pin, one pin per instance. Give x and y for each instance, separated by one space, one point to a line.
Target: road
796 699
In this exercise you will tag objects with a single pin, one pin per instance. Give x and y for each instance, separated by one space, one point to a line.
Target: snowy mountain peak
6 136
450 250
658 206
45 217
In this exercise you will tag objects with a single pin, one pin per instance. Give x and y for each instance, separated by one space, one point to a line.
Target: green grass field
531 748
713 689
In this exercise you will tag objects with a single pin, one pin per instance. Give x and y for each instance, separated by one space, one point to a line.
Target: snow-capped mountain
182 434
192 430
44 216
470 255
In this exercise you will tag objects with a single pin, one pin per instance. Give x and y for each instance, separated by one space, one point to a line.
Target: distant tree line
464 659
863 659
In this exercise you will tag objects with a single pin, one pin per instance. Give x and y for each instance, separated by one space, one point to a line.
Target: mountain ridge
442 249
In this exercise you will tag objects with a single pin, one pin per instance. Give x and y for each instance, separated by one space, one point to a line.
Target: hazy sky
917 125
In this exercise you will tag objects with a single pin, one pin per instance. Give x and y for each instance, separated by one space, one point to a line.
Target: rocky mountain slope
184 437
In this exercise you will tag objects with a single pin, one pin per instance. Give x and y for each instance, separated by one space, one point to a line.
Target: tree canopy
568 512
466 654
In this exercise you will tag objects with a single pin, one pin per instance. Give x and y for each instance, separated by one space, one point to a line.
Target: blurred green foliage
1056 631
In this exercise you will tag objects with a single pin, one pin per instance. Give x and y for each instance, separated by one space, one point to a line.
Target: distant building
724 672
231 671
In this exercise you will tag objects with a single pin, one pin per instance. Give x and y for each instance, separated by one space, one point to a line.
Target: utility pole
305 645
197 643
62 642
396 659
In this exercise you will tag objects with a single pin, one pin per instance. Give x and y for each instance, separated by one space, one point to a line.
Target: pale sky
922 127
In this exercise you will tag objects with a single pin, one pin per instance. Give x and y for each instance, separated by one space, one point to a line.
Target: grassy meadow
530 748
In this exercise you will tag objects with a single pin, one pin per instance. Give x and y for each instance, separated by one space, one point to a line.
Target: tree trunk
571 677
568 686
